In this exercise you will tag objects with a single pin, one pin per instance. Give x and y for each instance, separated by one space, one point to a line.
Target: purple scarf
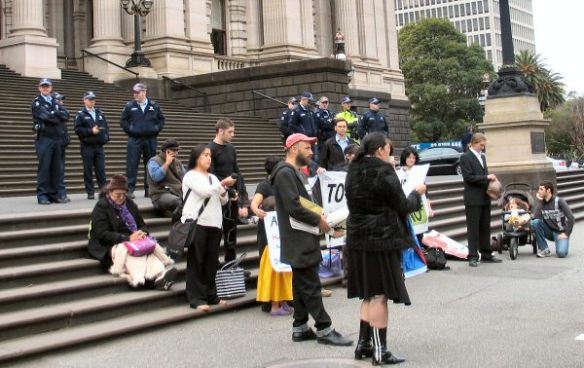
125 214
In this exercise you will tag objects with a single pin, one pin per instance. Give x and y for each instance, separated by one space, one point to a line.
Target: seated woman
115 220
273 287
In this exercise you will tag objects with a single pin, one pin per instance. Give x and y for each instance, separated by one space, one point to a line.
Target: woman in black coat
376 234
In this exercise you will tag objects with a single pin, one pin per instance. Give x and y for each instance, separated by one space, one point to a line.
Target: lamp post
138 8
339 46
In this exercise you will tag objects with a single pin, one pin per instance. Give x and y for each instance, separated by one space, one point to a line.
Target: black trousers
230 216
478 227
308 298
93 159
202 263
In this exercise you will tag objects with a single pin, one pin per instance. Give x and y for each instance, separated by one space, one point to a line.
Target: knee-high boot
364 347
381 355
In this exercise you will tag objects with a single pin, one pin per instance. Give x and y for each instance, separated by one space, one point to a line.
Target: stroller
513 235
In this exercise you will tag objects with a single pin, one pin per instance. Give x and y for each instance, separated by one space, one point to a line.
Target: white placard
273 235
334 203
409 179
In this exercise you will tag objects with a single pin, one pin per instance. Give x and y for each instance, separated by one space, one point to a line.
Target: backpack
436 259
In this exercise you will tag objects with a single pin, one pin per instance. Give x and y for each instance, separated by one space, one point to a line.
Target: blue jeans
543 232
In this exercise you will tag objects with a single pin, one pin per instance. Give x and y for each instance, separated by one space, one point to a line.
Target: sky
559 29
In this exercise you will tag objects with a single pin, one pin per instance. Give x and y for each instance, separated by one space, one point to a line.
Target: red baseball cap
298 137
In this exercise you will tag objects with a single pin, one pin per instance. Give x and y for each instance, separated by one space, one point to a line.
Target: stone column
346 20
198 25
165 43
254 26
307 19
236 34
107 42
324 32
27 49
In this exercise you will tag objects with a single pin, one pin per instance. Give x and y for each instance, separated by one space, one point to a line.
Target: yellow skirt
273 286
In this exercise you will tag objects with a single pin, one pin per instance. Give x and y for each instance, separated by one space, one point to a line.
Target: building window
218 29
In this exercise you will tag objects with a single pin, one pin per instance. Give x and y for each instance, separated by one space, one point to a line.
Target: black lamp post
510 82
138 8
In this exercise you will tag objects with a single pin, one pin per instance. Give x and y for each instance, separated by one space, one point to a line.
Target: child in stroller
515 230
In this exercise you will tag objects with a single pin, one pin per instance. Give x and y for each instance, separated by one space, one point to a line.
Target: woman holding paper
273 287
376 234
408 159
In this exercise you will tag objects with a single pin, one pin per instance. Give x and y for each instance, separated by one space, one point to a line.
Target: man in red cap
299 248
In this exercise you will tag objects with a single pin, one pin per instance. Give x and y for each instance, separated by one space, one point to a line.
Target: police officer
285 119
303 120
64 116
93 132
325 119
47 124
142 120
373 120
350 117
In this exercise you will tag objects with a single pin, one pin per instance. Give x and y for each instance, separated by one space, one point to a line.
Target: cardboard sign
273 235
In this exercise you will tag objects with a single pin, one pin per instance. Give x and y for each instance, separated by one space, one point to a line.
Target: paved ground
523 313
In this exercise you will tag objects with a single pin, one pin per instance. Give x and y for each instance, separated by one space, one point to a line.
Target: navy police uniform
92 152
142 128
63 114
285 124
373 121
303 120
326 124
47 124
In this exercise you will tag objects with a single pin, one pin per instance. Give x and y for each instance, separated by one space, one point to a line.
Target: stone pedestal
514 127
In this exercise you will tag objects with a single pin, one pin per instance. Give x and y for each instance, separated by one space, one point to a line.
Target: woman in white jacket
203 205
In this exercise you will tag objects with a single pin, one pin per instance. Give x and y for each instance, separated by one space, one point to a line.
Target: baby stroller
513 235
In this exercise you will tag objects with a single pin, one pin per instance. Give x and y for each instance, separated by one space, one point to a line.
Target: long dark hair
406 153
271 162
371 143
196 152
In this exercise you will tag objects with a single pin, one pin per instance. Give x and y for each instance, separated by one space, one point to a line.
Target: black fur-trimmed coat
378 208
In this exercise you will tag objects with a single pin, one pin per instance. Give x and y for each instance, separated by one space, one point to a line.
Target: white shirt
478 155
201 189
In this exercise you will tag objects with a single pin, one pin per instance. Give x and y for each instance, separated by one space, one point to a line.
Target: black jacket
107 229
284 123
332 156
475 180
378 207
299 249
46 120
326 124
373 122
138 124
63 114
302 120
84 124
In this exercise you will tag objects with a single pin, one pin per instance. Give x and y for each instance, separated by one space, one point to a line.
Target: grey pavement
522 313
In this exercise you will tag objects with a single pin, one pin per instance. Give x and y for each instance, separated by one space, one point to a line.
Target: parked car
442 160
559 165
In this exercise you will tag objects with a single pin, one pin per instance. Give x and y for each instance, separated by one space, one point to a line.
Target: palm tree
550 89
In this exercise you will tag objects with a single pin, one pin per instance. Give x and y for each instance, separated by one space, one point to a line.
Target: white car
559 165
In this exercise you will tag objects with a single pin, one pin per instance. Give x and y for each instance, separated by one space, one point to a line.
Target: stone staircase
51 297
255 138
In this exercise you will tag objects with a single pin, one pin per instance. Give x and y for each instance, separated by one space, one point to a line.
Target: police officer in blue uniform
64 116
373 120
47 125
285 119
303 120
93 132
325 119
142 120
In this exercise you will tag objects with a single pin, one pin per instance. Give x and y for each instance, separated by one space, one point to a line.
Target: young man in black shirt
224 164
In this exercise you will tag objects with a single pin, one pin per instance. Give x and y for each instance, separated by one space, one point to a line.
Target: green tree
565 134
550 89
443 78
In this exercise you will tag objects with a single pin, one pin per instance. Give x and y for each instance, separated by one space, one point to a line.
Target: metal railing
83 52
269 98
178 83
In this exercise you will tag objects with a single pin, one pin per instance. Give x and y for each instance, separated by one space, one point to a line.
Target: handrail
204 94
109 62
269 98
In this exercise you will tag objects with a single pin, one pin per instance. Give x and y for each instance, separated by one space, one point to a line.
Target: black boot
376 358
364 347
386 357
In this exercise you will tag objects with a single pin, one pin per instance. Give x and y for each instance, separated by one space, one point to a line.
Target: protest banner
334 202
273 235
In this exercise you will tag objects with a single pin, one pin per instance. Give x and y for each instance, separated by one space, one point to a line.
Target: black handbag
436 259
181 233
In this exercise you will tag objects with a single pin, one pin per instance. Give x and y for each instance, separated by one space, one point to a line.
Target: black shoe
304 335
364 346
334 338
491 259
387 358
91 196
44 201
167 279
473 263
62 200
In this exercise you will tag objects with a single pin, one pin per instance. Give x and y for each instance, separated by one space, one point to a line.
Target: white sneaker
544 253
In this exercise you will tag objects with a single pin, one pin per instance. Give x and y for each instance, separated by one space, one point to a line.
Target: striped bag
230 280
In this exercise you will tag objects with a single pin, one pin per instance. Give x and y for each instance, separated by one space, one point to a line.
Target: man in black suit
477 203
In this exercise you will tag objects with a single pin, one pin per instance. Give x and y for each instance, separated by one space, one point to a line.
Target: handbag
436 259
230 280
141 247
180 233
